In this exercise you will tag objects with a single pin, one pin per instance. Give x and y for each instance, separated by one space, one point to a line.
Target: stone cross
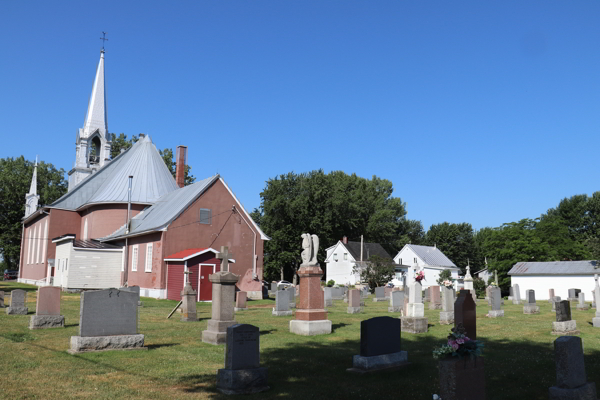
224 256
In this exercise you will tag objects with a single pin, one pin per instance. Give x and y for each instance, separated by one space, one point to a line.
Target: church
126 221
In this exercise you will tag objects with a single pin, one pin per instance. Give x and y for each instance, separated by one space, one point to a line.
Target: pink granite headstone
240 301
387 291
48 301
434 292
354 298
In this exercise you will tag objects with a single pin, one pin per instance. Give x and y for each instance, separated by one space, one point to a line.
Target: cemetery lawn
519 357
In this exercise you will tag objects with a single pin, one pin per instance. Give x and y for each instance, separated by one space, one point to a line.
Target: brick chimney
180 160
345 239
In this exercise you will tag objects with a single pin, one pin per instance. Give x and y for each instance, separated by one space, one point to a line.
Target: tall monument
32 198
93 142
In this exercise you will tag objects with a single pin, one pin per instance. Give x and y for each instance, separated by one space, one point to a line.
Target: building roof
555 268
85 244
151 180
167 208
431 255
370 249
191 253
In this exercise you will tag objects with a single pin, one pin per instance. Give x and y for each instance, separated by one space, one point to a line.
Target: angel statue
310 244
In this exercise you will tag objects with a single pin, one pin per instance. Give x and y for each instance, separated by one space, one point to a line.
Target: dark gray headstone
1 298
563 311
530 296
379 335
18 298
108 312
465 313
570 367
574 293
242 347
380 292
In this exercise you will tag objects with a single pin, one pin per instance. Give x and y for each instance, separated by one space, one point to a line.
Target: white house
429 259
558 275
344 256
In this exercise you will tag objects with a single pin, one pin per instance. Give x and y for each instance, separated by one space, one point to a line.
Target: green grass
519 357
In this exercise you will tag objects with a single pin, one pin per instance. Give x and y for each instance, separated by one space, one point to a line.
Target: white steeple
32 198
93 141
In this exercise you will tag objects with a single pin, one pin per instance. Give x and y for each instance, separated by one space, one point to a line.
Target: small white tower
93 142
32 198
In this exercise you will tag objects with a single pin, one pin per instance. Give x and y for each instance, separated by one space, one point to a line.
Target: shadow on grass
515 369
70 325
267 332
338 326
158 346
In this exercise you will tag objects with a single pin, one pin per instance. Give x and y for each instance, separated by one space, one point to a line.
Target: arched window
95 151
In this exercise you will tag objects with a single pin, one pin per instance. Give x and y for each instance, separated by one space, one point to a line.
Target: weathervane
104 39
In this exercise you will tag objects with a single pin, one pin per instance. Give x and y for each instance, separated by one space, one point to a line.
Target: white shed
86 264
428 258
344 256
558 275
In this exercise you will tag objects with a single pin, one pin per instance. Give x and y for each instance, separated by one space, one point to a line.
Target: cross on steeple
224 256
104 39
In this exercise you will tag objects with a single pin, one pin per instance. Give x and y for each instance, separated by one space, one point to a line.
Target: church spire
32 198
95 118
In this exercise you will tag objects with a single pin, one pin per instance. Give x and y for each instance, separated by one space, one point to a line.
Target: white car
284 285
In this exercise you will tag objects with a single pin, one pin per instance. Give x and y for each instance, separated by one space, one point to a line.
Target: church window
85 230
45 238
134 258
39 241
206 216
149 257
29 234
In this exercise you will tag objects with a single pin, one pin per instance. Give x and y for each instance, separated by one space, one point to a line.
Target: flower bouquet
420 276
449 283
459 345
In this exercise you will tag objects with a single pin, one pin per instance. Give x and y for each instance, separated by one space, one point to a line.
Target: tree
15 180
120 143
445 275
457 242
332 206
378 271
479 286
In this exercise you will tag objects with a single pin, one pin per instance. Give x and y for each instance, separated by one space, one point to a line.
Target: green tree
443 276
479 286
15 180
330 205
121 142
457 242
378 271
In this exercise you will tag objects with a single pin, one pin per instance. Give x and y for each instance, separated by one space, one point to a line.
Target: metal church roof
555 268
151 180
431 255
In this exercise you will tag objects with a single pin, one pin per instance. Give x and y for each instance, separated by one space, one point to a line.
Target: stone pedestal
496 313
531 309
356 310
462 379
311 317
447 317
281 313
46 321
395 309
565 328
242 381
80 344
582 307
188 305
17 310
223 296
416 310
414 324
376 363
596 320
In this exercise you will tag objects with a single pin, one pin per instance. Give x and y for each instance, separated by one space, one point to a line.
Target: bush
330 283
479 286
444 275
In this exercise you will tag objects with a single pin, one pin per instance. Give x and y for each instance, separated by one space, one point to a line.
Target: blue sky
478 111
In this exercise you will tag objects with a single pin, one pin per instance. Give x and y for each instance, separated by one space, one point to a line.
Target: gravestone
47 310
223 300
396 302
380 345
415 321
242 373
530 306
516 294
282 304
291 292
434 295
426 296
465 313
510 293
1 299
328 299
593 300
571 380
596 319
564 325
354 300
18 302
107 321
273 287
135 289
550 295
581 305
188 303
241 301
496 299
337 293
379 294
311 316
447 313
555 299
573 294
406 301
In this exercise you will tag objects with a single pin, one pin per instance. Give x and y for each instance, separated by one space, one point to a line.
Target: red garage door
174 282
